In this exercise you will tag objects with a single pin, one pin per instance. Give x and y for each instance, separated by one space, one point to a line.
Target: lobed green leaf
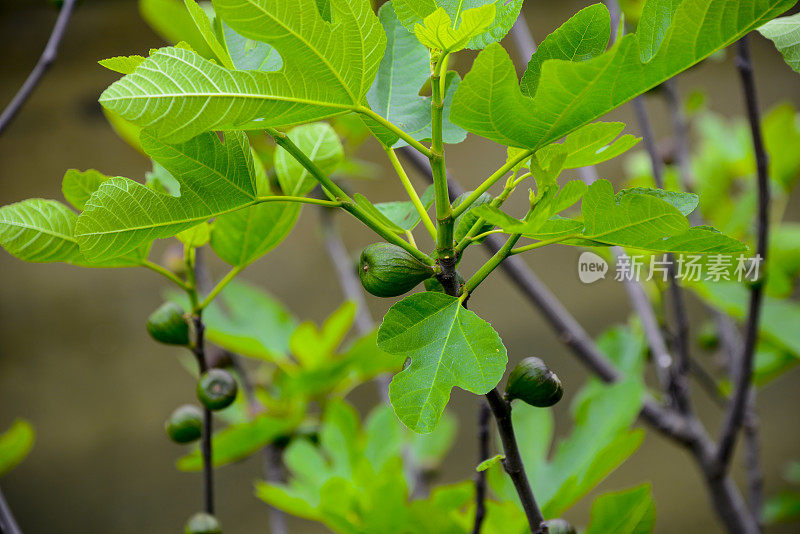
449 346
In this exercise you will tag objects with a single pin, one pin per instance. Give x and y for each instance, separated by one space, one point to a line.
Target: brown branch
513 461
8 525
208 420
484 413
744 366
45 60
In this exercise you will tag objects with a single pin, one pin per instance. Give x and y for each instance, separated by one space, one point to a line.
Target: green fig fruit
387 270
185 424
534 383
217 389
559 526
168 325
202 523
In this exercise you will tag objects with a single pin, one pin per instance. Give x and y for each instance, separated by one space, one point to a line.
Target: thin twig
513 461
8 525
678 386
208 421
649 140
45 60
523 40
735 415
484 413
615 16
680 129
752 459
652 330
345 269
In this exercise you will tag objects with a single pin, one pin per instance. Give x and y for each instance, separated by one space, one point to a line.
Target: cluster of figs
385 270
216 390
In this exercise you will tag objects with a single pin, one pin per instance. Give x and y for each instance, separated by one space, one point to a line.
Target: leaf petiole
539 244
220 286
394 129
412 193
163 271
490 181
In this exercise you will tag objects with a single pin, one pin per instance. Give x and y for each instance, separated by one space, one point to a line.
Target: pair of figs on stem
217 390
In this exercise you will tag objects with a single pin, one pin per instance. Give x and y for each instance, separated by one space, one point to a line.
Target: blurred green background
75 358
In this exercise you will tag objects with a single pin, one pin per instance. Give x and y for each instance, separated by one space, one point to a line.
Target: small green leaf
122 64
595 143
449 346
203 24
395 93
402 213
412 12
78 186
320 143
196 236
653 26
630 511
249 54
170 19
39 231
438 32
494 460
584 36
785 33
312 346
683 202
241 237
646 222
15 444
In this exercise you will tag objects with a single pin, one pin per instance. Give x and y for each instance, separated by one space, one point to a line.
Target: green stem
376 226
220 286
511 185
539 244
283 141
412 193
343 200
444 211
394 129
301 200
490 265
163 271
490 181
191 283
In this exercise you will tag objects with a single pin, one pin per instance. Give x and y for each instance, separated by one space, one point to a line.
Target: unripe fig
387 270
559 526
168 325
534 383
217 389
202 523
185 424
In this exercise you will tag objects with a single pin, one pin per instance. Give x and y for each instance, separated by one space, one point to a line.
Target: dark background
76 361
